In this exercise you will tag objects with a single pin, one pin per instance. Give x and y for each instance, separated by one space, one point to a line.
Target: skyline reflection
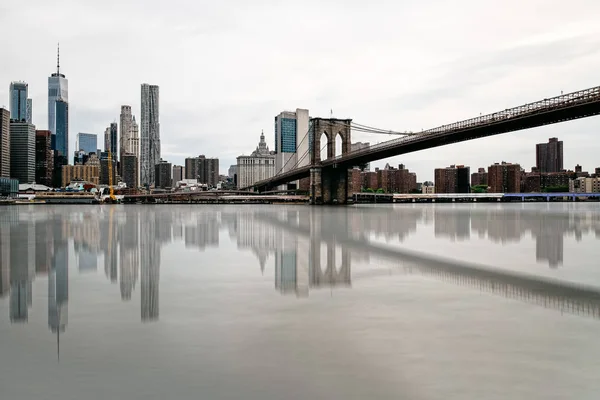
308 248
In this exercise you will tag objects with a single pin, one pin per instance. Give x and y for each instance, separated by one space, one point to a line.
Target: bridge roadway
549 293
581 104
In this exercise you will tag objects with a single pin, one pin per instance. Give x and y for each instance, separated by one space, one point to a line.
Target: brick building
504 178
453 179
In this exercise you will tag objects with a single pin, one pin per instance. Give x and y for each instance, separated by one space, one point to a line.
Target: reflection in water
309 248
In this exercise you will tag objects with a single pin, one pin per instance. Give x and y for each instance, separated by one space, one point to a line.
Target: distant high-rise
205 170
107 139
549 156
125 121
44 158
129 167
22 151
114 141
150 134
163 174
18 101
291 140
61 127
177 173
87 142
58 91
4 143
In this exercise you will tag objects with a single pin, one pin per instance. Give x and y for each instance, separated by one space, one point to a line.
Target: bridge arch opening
338 144
324 142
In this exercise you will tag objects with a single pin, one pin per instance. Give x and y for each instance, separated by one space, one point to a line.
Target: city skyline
443 84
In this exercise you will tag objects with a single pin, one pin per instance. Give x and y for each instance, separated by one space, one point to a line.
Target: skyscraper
125 121
87 142
107 139
204 170
163 174
58 90
18 101
150 137
114 141
4 143
22 151
44 158
61 127
549 156
291 140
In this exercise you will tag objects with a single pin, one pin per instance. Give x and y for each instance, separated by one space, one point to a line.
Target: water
486 301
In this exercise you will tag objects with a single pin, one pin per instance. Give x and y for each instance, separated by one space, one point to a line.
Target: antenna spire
58 58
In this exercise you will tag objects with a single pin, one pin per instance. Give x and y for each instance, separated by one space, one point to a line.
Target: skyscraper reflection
150 265
307 248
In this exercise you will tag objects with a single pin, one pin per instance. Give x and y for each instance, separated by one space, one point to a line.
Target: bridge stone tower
329 184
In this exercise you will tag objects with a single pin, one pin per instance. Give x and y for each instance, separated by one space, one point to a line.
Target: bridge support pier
328 186
315 193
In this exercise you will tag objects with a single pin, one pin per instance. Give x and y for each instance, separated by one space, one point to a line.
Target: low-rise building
88 173
584 185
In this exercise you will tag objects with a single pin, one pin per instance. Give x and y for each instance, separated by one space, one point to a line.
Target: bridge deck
581 104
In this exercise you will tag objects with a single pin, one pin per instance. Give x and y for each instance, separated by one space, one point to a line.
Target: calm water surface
486 301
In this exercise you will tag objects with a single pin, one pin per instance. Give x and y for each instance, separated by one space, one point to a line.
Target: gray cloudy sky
226 68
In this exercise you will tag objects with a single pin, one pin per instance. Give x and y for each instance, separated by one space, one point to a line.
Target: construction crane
110 179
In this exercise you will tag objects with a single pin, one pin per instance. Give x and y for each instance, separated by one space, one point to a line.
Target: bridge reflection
308 248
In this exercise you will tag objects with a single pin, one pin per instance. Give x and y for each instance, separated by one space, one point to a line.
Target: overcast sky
226 68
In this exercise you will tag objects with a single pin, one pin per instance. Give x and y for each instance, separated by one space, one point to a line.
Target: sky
226 68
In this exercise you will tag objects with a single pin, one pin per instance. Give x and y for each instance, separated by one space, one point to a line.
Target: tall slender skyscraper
114 141
125 126
58 91
4 143
18 101
150 140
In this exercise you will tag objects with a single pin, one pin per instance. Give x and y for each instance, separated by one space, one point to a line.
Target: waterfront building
18 101
504 178
87 173
104 175
22 151
163 175
257 166
453 179
178 173
549 156
427 187
88 142
150 134
4 143
130 170
479 178
204 170
44 157
584 185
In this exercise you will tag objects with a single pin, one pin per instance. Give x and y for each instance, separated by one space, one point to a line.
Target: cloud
225 69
